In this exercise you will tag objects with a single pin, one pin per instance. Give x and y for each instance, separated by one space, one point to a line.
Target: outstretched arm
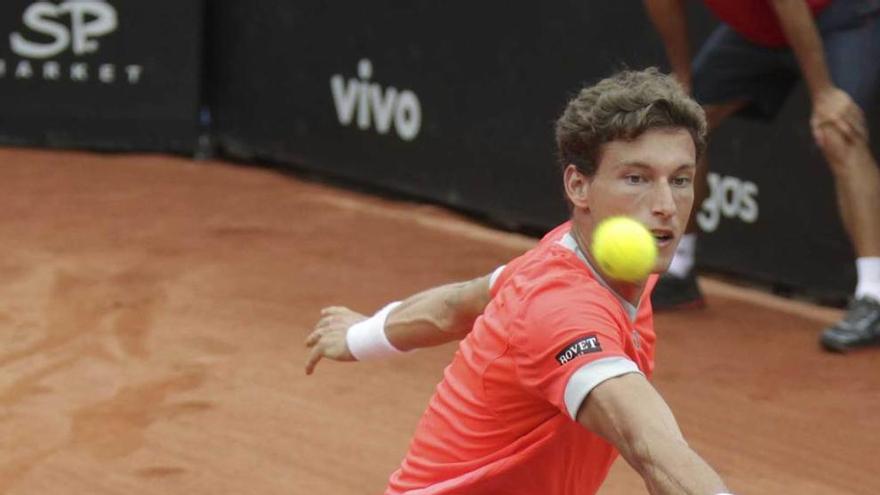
432 317
437 315
629 413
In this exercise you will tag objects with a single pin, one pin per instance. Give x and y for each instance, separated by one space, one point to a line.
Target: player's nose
662 200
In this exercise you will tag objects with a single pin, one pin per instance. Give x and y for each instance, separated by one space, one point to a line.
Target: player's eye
634 179
683 181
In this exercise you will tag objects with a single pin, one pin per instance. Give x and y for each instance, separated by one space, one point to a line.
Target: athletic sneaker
860 327
674 292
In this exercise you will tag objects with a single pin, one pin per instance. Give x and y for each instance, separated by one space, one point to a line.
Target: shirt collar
571 244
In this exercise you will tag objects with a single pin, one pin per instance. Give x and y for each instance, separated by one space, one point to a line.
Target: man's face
649 179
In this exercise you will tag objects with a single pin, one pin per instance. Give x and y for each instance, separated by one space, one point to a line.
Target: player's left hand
328 337
834 106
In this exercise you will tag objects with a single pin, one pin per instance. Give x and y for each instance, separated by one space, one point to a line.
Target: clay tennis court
153 311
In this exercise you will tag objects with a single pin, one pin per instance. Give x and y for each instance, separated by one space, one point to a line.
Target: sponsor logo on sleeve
581 346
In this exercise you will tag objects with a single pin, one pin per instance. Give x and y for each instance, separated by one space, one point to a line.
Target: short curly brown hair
624 106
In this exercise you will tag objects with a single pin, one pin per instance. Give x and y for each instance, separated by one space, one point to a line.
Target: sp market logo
375 106
581 346
68 28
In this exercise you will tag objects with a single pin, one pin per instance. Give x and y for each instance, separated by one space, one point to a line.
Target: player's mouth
664 237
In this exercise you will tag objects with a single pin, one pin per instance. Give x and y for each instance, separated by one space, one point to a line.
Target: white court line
438 219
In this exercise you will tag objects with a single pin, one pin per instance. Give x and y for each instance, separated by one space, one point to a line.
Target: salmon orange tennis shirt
502 420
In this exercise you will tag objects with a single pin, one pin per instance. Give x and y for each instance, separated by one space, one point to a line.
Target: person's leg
853 55
716 113
857 183
685 254
731 75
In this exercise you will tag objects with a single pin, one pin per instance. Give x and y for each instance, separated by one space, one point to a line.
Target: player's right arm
439 315
432 317
668 17
629 413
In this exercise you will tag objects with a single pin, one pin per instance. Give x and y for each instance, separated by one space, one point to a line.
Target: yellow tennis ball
624 249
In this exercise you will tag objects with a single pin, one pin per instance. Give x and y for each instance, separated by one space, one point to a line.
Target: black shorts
728 67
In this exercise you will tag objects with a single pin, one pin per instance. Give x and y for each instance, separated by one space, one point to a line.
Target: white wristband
494 276
367 340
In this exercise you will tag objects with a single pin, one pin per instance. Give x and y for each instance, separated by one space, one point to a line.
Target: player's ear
576 186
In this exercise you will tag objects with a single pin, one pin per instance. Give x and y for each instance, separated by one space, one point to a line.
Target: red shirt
502 418
756 20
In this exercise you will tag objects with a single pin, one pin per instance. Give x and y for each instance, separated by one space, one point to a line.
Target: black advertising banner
452 102
455 103
106 74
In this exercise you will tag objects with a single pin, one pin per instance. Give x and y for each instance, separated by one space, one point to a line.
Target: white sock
869 277
683 262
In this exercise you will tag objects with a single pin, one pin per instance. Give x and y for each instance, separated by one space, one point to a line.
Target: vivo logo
71 24
376 107
731 198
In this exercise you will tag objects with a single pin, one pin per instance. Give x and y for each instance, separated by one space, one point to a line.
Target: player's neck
627 290
630 292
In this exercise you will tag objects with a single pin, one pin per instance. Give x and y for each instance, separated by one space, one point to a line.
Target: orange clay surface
153 311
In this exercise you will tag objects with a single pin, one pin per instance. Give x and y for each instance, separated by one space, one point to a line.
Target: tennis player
551 380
